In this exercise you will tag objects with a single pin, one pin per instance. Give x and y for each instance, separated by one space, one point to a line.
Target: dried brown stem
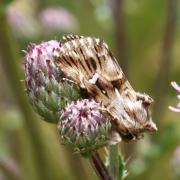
119 32
162 83
100 168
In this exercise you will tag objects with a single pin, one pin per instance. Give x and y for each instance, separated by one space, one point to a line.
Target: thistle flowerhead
177 88
44 81
83 126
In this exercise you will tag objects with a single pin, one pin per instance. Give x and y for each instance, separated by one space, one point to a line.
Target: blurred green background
145 38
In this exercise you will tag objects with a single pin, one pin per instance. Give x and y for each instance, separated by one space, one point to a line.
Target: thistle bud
83 126
44 81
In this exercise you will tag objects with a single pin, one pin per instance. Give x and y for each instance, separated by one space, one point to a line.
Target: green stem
114 161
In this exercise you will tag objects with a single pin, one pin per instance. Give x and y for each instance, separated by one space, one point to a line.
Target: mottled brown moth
88 62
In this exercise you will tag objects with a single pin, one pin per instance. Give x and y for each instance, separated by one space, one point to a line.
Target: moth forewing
89 63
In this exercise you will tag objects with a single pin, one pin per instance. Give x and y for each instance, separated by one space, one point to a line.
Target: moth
89 63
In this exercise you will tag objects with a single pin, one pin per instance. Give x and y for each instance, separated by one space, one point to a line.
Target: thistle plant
84 127
45 86
56 73
177 88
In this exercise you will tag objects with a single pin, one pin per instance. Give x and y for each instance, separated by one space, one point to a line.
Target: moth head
144 102
133 115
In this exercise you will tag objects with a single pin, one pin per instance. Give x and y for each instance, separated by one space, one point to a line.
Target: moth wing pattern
71 37
89 63
88 59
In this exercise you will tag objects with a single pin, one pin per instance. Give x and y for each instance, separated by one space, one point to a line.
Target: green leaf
122 167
